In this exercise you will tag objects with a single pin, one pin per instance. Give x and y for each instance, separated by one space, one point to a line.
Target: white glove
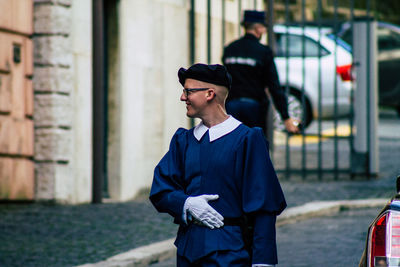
199 208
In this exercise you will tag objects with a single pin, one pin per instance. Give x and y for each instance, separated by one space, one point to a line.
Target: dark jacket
252 67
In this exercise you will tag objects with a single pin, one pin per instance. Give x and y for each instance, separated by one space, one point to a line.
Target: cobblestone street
55 235
331 241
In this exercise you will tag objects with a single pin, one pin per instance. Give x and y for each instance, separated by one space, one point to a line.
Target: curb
141 256
323 208
160 251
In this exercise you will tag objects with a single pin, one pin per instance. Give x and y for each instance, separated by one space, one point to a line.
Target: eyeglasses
187 91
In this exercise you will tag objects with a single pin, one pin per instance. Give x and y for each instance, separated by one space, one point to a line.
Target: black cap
254 16
215 74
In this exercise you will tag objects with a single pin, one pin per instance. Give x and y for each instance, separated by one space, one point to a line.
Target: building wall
62 86
81 35
152 45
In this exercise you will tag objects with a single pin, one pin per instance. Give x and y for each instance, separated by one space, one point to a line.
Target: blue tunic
235 166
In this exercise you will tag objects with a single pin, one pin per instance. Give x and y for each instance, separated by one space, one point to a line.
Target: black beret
254 16
215 74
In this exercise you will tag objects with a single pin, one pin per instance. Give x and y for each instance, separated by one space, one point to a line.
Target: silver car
314 64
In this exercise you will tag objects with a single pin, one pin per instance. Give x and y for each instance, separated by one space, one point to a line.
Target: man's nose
183 97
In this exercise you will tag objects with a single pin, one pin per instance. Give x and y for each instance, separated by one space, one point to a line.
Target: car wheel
297 111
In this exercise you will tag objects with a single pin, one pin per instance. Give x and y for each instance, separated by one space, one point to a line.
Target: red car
383 239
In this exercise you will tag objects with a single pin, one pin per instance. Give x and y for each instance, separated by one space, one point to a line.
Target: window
388 39
348 36
294 43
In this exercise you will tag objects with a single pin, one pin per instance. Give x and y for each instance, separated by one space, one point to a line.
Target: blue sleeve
264 239
262 196
167 191
261 188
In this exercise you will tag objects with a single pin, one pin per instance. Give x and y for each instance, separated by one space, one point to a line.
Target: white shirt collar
218 130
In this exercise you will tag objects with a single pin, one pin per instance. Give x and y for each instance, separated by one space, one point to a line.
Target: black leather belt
230 221
234 221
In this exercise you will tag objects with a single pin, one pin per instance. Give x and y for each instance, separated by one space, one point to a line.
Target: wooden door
16 100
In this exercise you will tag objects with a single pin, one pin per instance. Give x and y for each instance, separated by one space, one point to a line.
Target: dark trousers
239 258
249 111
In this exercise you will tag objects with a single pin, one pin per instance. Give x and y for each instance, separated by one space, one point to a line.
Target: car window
388 39
347 36
292 45
340 42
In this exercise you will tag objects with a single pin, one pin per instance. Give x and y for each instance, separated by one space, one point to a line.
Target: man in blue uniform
252 67
215 175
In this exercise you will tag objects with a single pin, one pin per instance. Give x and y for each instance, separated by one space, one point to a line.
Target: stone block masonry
54 2
53 79
52 110
53 86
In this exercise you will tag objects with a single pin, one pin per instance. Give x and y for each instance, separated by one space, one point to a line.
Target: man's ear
211 94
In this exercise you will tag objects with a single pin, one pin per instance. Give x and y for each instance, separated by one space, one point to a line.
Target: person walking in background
215 177
252 67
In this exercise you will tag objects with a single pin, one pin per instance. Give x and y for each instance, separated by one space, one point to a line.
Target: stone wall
53 84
